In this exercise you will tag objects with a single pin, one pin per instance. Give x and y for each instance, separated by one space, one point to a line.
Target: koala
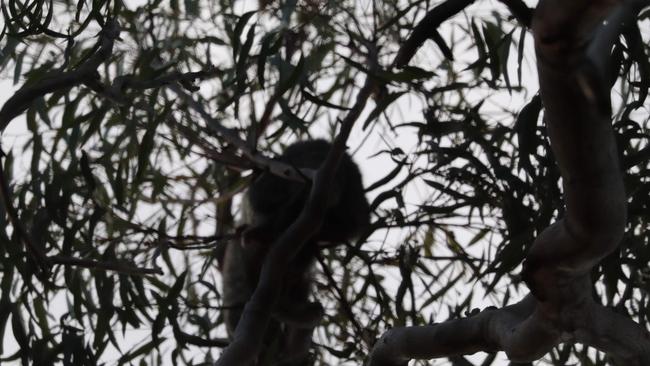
274 203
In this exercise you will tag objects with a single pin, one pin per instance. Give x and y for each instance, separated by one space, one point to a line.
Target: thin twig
347 309
232 137
103 266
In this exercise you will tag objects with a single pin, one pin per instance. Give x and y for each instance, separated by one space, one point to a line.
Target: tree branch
520 11
103 266
23 98
115 91
583 144
617 335
56 80
232 137
427 29
487 331
573 44
255 318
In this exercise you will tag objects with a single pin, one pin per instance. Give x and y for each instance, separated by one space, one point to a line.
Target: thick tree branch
488 331
583 144
573 41
617 335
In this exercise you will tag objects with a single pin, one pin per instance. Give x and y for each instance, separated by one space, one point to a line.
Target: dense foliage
121 181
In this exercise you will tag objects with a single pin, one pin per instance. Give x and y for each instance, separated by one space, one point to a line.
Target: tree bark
573 40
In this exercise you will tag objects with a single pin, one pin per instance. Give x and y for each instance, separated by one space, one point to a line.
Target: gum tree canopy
504 147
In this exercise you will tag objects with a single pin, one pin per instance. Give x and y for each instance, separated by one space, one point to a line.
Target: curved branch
56 80
616 335
489 331
427 28
583 144
572 43
594 76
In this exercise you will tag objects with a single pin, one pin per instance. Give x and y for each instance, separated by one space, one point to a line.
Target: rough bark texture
573 43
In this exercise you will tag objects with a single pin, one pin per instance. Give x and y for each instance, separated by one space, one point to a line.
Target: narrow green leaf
381 107
17 326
